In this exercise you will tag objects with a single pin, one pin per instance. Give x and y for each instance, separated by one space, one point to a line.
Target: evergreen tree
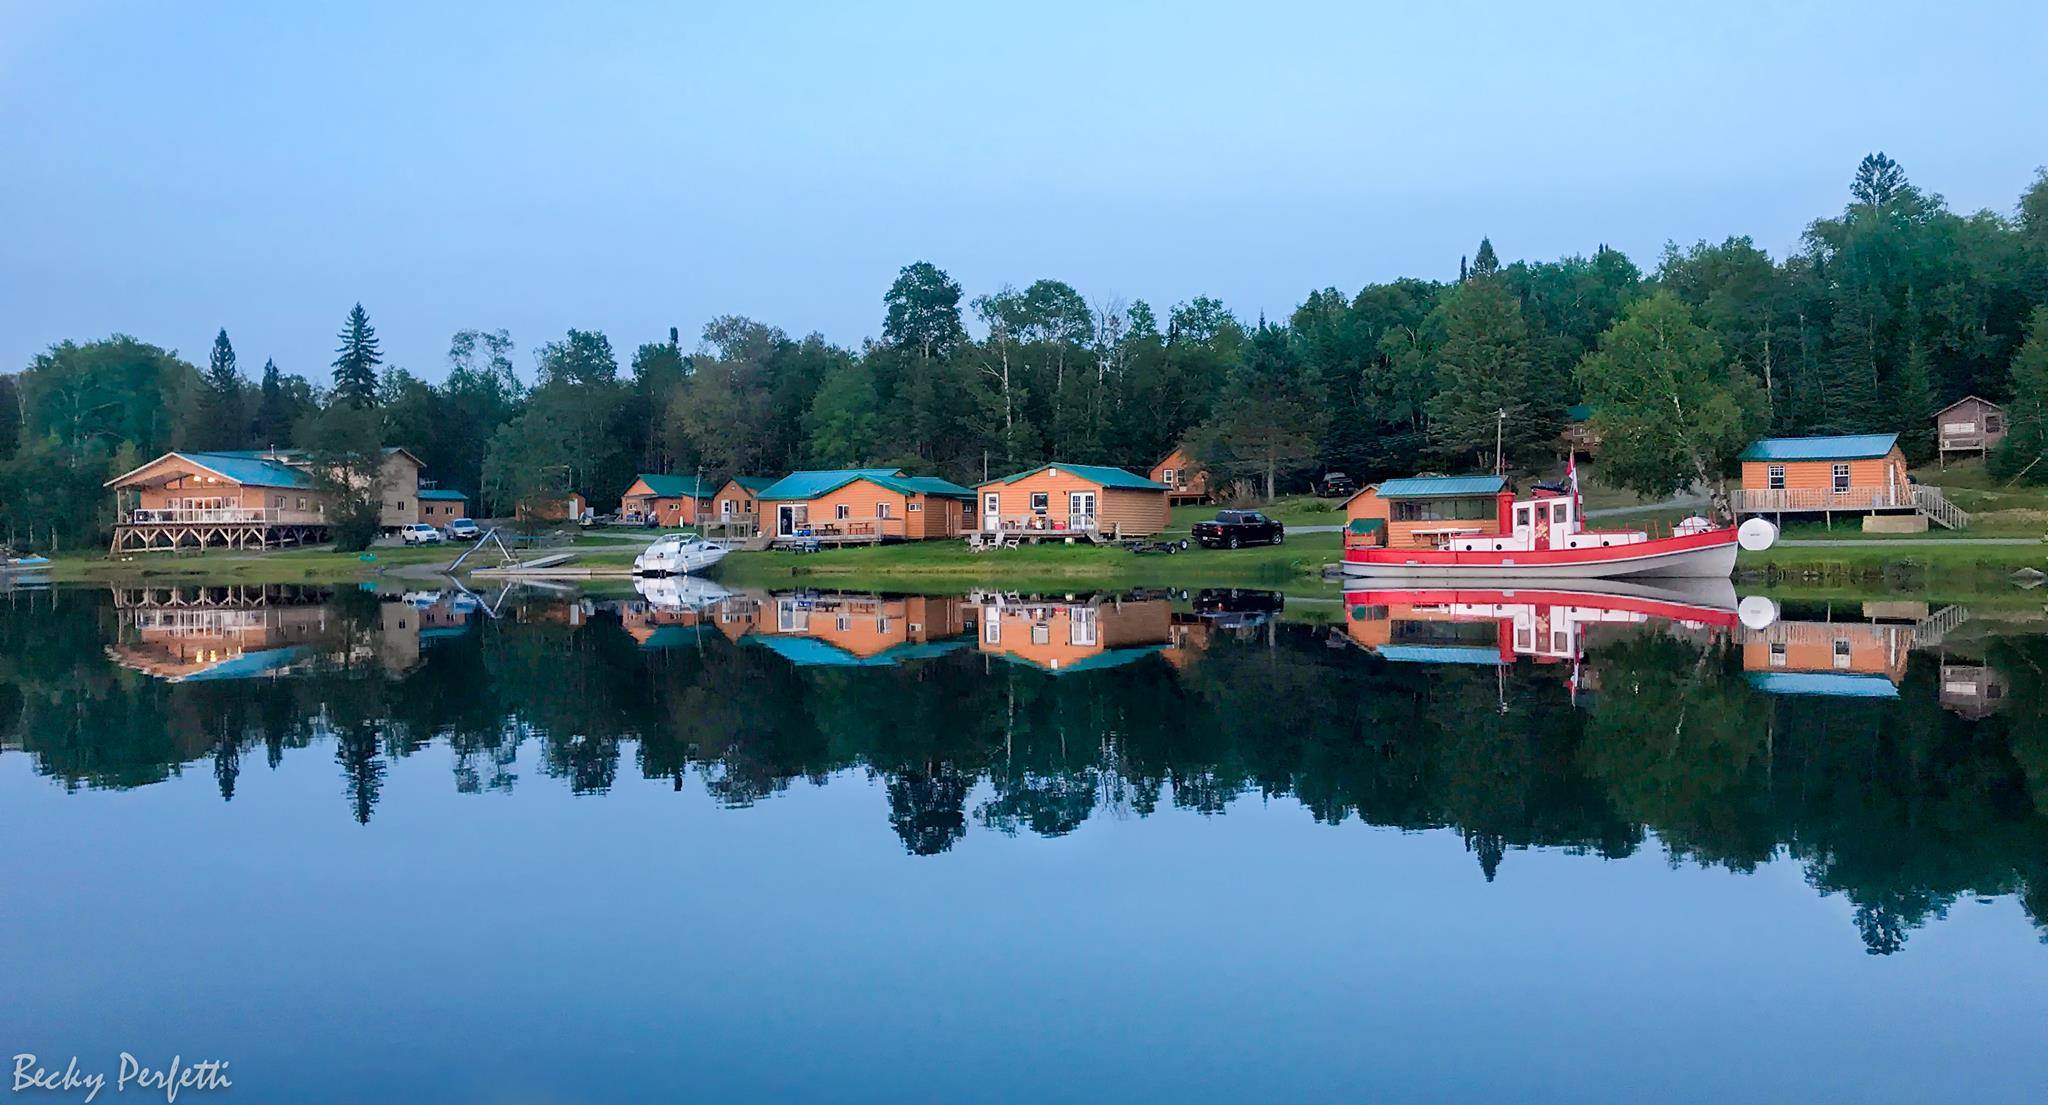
273 408
355 369
220 419
1269 418
1485 384
2026 418
1484 263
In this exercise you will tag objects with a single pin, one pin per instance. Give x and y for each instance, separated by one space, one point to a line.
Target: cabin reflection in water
1080 633
812 629
187 634
1860 656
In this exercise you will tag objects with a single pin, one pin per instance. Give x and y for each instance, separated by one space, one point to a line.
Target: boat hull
1709 555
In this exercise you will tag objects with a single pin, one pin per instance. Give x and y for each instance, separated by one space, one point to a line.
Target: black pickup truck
1232 529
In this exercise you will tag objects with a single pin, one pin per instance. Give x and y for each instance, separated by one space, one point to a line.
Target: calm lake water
1406 846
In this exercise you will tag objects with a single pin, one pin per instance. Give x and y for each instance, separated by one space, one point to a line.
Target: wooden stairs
1938 509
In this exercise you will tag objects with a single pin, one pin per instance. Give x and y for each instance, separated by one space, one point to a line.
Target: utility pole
1500 425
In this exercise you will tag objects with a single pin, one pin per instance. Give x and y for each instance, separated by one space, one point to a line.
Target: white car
420 533
463 529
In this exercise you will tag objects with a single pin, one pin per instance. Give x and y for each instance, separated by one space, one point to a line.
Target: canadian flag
1571 475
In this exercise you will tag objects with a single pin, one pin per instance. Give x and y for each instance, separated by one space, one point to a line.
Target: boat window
1439 510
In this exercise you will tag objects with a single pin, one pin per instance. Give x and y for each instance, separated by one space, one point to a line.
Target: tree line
1887 311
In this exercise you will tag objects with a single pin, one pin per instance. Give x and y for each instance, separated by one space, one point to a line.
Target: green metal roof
672 486
1441 487
1578 412
754 483
1847 447
434 495
810 485
1108 658
1094 473
1363 526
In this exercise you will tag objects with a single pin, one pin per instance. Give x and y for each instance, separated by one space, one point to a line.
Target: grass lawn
944 564
227 566
1288 510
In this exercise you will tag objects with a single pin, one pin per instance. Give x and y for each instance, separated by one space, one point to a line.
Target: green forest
1887 311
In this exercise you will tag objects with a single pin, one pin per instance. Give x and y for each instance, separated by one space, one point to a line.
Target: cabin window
881 510
1776 476
1039 501
1166 477
1841 652
842 511
844 623
1961 427
1777 654
915 507
1841 478
1441 510
1993 422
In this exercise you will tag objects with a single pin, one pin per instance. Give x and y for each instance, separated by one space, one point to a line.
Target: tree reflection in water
1899 804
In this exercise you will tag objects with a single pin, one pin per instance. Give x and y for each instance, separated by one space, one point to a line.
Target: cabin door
1081 510
991 511
785 521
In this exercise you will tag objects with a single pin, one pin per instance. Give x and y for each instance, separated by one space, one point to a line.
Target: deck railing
1804 499
228 515
1042 523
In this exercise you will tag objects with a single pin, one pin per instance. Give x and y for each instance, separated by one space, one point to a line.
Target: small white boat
676 554
29 563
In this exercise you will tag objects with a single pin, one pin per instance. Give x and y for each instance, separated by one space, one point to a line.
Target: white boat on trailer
1547 539
676 554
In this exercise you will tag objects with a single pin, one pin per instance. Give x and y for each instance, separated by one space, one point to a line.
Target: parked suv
420 533
1235 528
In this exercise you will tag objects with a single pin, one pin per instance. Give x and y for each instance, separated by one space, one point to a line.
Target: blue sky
166 170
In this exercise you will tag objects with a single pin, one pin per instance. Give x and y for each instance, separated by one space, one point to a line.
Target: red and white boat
1547 539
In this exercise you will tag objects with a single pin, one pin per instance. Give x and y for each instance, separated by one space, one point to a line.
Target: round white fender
1757 534
1758 612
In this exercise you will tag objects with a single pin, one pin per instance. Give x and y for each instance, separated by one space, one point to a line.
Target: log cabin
1183 477
1858 474
864 506
736 505
1072 500
1968 425
668 500
245 499
1422 512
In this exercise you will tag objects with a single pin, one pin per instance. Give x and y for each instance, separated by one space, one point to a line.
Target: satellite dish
1758 612
1757 534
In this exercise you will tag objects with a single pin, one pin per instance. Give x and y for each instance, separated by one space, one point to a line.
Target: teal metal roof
1835 684
1109 658
810 485
1440 487
1848 447
248 665
674 636
809 652
932 485
1440 654
676 487
1094 473
435 495
251 468
1578 412
754 483
813 483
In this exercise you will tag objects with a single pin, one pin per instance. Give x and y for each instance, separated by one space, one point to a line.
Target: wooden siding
1857 648
1972 425
865 502
1190 484
1058 635
732 502
398 482
866 625
1874 483
1413 535
440 512
1132 512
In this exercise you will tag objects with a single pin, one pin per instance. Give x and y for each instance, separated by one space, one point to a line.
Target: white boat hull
664 558
1708 562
